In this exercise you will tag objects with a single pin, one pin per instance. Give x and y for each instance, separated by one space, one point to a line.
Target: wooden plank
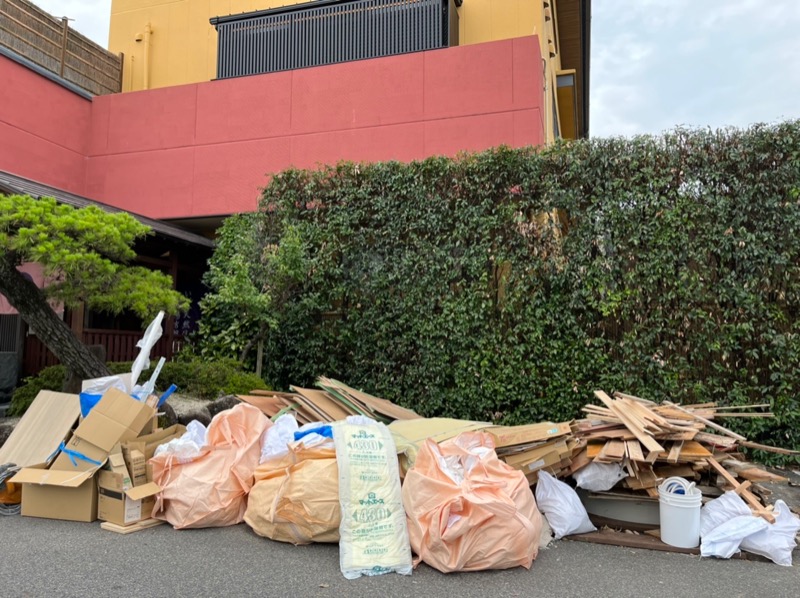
46 423
510 435
579 461
769 449
750 471
674 452
707 422
648 442
630 397
129 529
634 450
671 471
748 496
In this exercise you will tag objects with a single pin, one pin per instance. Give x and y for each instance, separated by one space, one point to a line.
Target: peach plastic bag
296 496
211 489
467 510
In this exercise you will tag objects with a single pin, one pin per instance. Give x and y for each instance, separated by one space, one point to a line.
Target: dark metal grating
327 32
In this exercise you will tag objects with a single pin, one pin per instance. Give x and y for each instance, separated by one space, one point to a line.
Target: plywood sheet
45 424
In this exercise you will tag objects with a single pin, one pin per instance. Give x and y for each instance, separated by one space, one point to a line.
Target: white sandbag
724 540
724 523
777 540
562 507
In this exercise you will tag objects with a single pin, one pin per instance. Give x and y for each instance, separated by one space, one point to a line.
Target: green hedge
194 377
443 285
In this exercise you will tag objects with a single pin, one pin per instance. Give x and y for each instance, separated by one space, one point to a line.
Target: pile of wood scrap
334 401
653 442
531 448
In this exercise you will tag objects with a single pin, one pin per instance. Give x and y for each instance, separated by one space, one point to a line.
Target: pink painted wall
206 149
44 128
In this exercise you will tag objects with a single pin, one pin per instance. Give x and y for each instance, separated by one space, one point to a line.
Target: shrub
510 284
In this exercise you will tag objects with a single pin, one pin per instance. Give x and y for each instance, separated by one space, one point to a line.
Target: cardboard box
116 465
67 489
137 467
57 494
123 505
148 443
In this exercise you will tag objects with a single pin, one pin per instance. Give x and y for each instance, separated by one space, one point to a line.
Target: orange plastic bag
211 489
296 497
467 510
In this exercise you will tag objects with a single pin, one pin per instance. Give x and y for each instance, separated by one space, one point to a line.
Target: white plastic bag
777 540
277 439
724 540
599 477
724 523
562 507
147 342
189 446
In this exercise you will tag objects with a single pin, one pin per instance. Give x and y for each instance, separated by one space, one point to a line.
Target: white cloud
657 64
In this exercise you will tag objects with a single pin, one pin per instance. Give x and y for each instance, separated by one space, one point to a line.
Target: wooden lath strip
707 422
748 496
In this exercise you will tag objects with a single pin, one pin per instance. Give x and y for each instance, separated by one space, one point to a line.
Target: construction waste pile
335 464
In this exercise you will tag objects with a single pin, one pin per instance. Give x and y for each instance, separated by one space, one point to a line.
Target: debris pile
336 464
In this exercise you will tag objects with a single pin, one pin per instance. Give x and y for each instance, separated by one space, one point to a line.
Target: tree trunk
32 306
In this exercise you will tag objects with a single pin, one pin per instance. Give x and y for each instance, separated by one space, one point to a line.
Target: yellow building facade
171 42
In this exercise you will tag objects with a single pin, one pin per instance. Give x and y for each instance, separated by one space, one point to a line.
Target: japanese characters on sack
210 490
373 538
467 509
562 507
295 497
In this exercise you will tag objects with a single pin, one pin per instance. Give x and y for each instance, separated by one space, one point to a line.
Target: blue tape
325 431
73 456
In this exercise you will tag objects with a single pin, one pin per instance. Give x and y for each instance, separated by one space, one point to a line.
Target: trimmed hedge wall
508 285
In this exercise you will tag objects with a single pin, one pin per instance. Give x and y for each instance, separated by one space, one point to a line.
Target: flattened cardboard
46 423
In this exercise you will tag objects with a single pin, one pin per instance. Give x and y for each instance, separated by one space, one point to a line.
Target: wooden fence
51 44
120 345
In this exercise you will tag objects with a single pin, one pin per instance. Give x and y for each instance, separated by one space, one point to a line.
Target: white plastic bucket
679 505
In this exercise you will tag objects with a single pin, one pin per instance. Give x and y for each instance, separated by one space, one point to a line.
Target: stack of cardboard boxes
100 469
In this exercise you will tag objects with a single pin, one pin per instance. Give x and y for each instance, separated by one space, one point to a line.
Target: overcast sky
655 63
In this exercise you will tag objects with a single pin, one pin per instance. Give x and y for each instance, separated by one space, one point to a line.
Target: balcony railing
328 32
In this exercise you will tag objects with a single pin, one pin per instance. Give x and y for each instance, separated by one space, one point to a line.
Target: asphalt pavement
50 558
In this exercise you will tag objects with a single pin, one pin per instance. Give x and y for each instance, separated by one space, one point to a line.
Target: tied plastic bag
599 477
777 540
562 507
467 510
296 495
211 489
